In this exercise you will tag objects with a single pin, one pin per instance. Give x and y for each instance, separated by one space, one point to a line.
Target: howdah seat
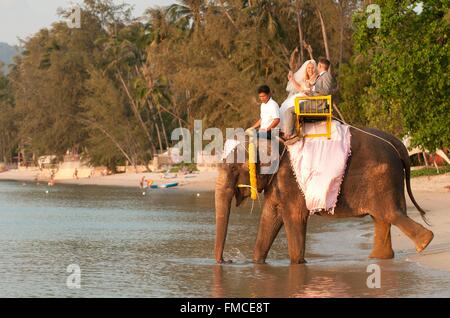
313 109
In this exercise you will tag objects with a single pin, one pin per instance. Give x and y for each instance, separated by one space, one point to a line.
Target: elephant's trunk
223 196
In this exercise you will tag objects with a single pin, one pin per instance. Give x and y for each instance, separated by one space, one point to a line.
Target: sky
23 18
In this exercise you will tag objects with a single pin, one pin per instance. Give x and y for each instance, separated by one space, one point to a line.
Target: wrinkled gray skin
373 185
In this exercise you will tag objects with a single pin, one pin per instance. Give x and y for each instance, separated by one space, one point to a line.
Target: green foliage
8 130
184 167
407 62
354 81
113 132
117 87
48 85
430 171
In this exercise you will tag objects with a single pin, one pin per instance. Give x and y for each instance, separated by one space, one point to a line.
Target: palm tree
265 15
188 15
126 55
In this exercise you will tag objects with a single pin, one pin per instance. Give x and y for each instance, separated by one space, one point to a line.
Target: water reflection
311 281
161 245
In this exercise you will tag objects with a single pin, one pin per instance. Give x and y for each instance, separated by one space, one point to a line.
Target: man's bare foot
291 141
288 136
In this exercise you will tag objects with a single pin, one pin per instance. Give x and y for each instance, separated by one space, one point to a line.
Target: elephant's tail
407 167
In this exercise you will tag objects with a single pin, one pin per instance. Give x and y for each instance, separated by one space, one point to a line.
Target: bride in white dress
299 84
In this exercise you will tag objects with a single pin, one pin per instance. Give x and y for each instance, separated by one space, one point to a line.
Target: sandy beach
198 181
432 193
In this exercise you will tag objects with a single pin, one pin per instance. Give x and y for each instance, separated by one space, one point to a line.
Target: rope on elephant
257 195
370 134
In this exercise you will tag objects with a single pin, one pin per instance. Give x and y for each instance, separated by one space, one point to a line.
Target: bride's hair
301 76
307 77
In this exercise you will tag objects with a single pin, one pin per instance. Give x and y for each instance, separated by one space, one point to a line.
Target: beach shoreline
202 181
431 192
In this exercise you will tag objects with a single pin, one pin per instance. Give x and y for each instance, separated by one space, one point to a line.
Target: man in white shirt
269 113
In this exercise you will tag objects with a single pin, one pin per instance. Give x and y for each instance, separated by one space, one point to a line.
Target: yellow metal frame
312 111
252 169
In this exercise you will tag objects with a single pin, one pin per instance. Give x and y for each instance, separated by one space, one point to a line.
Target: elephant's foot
298 261
222 261
259 261
423 240
386 253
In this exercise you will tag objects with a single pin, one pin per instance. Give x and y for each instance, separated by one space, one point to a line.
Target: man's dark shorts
265 134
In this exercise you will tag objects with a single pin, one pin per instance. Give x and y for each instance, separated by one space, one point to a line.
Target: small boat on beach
164 186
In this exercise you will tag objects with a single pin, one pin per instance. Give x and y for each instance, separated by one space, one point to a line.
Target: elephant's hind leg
382 246
269 227
416 232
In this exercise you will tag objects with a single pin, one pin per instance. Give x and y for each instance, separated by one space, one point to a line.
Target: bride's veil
299 76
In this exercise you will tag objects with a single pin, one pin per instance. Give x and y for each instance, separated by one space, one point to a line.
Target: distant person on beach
75 174
142 182
51 183
168 175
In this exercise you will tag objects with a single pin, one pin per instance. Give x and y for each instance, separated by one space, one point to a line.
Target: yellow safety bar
312 109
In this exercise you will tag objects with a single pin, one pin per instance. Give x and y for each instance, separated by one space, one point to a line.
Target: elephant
373 184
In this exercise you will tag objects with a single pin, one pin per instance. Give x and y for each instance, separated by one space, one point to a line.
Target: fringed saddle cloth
319 164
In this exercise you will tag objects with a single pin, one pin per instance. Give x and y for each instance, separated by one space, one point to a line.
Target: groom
324 85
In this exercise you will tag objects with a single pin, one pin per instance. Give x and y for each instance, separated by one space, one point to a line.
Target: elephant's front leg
295 223
269 227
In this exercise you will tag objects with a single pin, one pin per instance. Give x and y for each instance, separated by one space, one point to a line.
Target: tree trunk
435 164
309 49
115 142
163 127
324 34
294 64
341 33
228 16
152 109
158 133
300 36
425 159
135 110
